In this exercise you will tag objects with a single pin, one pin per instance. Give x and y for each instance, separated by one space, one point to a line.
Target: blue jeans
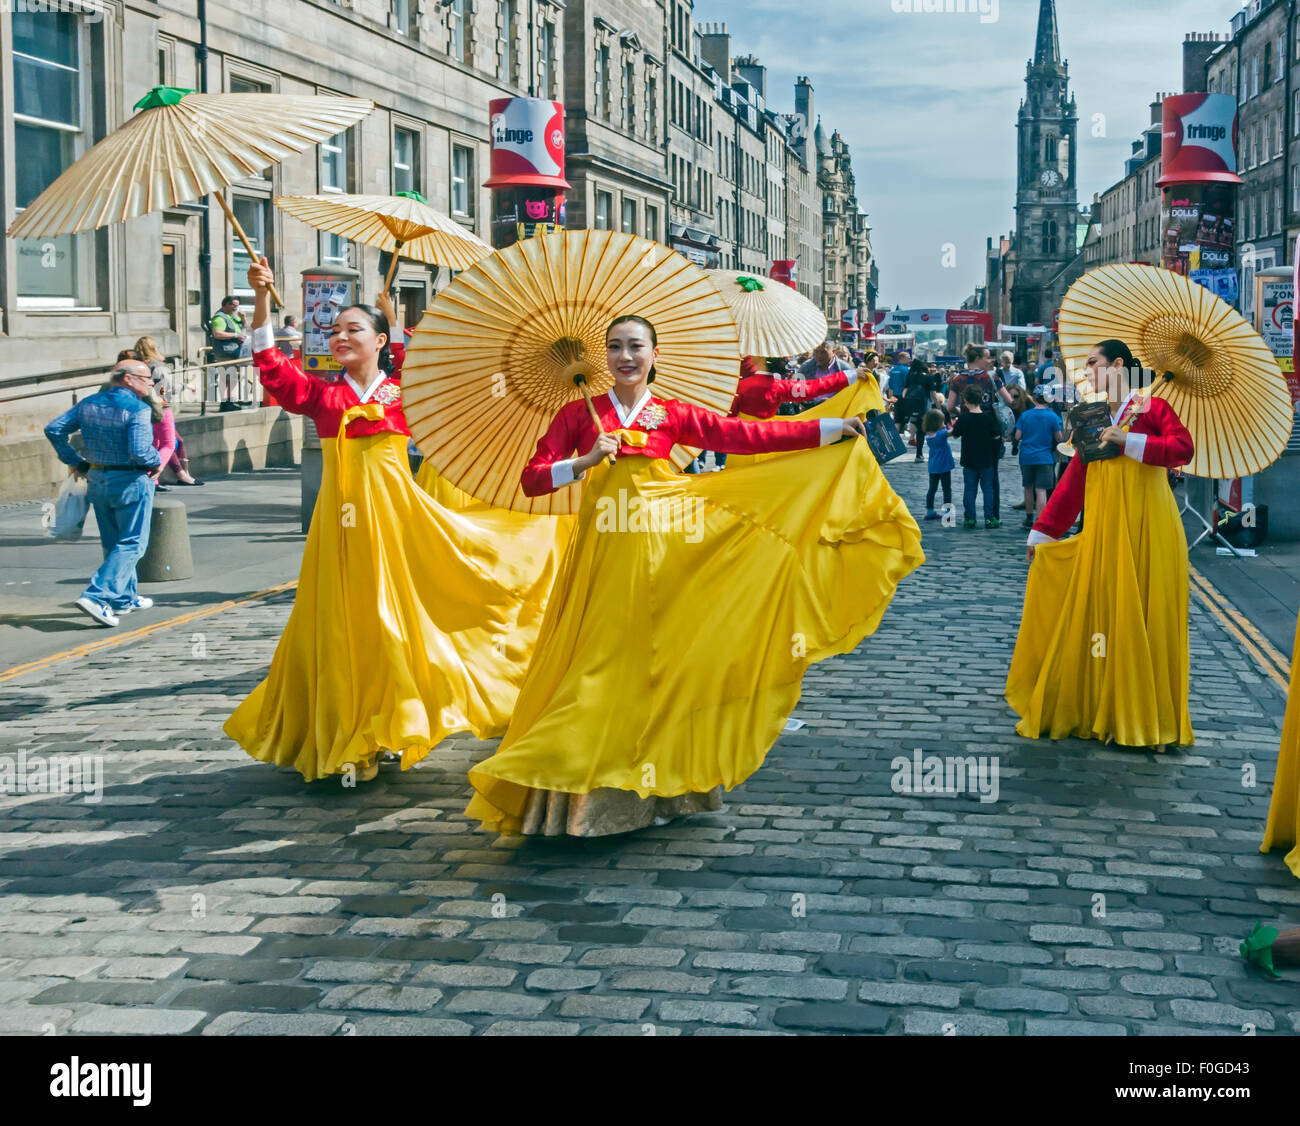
986 481
123 503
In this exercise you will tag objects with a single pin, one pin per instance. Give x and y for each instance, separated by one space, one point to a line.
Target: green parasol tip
1258 948
162 96
749 285
413 195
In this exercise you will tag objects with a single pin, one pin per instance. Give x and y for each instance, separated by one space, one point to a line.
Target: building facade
692 162
614 83
71 303
667 137
1260 64
846 237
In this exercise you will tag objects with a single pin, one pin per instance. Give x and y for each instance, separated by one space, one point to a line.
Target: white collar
1123 407
364 397
625 416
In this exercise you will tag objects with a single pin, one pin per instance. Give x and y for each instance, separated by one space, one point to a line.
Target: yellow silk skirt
856 399
685 614
1284 812
411 620
1102 651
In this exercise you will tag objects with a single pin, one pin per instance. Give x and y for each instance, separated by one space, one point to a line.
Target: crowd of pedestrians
984 406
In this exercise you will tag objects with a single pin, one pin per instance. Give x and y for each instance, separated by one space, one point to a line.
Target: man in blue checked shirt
120 467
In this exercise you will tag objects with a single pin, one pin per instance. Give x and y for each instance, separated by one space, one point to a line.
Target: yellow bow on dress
373 411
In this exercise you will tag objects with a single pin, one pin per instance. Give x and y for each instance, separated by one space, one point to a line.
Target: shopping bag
883 437
70 509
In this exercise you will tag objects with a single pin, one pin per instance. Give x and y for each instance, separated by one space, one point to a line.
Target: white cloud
928 103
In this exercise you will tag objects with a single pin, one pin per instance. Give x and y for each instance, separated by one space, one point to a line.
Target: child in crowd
981 439
1038 431
941 461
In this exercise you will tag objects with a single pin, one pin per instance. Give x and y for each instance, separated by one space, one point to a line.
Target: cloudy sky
928 104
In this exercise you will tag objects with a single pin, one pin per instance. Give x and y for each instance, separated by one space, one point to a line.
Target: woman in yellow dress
1103 648
687 608
411 621
1284 811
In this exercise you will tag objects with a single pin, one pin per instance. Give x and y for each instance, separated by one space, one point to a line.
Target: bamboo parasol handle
581 381
392 268
253 256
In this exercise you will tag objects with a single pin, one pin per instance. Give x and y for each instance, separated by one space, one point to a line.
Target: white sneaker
140 603
97 610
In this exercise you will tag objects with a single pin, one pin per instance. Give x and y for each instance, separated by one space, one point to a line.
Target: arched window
1051 153
1049 238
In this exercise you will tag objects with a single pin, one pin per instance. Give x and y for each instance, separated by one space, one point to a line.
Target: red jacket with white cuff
759 394
324 403
665 423
1157 437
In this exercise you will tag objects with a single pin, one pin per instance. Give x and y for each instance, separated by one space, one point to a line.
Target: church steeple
1047 169
1047 50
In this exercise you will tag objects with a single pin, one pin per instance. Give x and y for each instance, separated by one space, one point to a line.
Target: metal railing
213 382
201 384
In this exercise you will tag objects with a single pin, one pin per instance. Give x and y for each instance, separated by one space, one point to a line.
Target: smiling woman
687 608
412 620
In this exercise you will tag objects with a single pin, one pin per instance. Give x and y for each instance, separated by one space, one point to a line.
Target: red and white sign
527 143
1200 140
935 317
786 270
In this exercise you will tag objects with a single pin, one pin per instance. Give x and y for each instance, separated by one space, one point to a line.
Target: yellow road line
137 634
1269 660
1263 642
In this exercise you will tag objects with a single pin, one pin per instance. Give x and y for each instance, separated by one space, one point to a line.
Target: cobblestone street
1104 892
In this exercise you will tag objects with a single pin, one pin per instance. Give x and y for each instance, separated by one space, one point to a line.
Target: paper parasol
181 146
1210 365
403 222
773 319
493 359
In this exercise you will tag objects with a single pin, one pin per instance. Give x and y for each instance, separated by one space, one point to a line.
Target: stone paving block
1213 1012
908 993
137 1022
709 1012
1069 936
661 981
1148 985
1008 955
273 1024
660 956
406 1026
794 987
1034 1027
356 971
528 954
1020 999
533 1028
605 1008
1113 1006
924 1023
496 1002
382 998
721 960
562 980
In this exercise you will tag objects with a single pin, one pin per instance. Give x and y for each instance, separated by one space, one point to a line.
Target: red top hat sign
527 143
1200 139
